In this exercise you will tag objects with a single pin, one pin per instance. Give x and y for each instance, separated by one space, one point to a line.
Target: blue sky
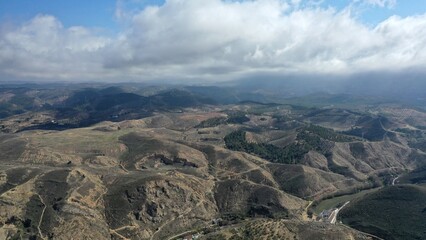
375 14
91 13
208 40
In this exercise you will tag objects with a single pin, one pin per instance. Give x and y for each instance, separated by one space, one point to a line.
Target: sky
208 40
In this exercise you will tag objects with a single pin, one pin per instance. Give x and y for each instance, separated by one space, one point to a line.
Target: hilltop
113 163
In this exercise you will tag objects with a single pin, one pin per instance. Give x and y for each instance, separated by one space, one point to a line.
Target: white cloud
43 48
379 3
218 40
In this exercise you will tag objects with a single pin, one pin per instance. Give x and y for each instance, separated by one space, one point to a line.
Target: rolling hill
107 163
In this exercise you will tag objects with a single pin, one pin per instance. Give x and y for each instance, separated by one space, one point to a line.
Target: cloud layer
214 40
380 3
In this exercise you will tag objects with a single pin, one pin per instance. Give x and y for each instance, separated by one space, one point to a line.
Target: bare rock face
159 205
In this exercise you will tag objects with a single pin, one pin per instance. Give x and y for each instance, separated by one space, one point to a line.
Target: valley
106 163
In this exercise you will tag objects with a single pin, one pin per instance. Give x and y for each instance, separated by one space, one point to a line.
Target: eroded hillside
196 169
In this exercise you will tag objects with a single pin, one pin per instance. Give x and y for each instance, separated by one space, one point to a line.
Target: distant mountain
88 106
179 98
408 89
227 95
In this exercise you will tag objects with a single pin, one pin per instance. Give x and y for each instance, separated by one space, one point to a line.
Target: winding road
333 216
394 180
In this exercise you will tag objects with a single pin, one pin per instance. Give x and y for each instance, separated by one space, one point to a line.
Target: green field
334 202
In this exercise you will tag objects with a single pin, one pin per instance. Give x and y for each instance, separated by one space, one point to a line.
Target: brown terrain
165 175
